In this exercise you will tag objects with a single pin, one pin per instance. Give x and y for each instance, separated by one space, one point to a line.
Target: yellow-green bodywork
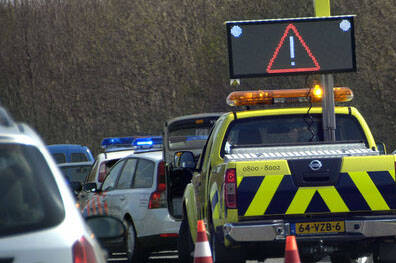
204 200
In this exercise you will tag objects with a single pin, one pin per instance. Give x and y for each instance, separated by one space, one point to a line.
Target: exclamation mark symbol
291 38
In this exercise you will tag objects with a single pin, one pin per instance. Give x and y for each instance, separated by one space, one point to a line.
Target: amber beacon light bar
259 97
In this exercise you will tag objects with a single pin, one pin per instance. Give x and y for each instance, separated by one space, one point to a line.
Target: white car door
122 196
109 196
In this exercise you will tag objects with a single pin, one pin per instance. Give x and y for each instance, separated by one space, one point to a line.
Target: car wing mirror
108 230
90 187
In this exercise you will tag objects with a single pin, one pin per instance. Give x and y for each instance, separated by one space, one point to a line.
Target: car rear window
76 173
59 157
78 157
29 199
290 129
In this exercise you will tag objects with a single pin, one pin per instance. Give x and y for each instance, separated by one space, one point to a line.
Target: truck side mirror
184 159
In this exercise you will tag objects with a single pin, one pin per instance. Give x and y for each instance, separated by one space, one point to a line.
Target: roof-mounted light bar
117 142
147 142
258 97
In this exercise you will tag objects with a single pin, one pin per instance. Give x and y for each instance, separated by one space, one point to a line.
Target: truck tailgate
347 185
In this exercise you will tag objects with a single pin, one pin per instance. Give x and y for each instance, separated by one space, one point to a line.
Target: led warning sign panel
291 46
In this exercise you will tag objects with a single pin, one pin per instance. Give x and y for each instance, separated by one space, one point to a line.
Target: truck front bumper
279 229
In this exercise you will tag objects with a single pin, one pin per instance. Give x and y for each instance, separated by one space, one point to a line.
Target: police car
38 218
135 191
115 148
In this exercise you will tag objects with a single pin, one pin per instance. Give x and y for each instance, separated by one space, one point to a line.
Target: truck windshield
289 130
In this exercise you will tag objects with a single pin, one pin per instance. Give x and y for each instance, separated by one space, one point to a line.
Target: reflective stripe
354 192
264 195
99 204
333 199
301 201
369 191
88 208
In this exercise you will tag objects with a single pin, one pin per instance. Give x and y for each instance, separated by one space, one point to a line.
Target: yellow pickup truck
264 174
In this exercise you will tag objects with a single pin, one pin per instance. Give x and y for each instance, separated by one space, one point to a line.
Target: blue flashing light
144 143
117 142
148 141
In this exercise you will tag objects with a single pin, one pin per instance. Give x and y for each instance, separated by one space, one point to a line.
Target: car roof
194 116
66 147
117 154
89 163
153 155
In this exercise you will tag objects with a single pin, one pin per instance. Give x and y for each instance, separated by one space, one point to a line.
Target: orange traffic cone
202 252
291 250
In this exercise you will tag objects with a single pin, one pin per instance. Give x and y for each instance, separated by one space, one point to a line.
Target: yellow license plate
320 227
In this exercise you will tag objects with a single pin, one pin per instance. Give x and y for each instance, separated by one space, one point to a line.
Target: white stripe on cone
202 249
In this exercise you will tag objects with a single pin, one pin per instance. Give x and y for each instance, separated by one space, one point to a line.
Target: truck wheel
185 244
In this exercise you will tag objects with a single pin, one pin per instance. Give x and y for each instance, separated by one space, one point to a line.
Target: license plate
319 227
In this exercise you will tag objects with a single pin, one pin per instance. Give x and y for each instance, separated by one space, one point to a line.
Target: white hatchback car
38 218
115 148
135 192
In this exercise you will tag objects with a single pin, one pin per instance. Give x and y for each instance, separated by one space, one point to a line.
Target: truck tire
185 244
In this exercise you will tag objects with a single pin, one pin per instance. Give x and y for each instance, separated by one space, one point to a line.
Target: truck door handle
122 197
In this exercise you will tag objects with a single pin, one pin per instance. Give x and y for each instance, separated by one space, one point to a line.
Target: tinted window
125 180
76 173
78 157
190 133
111 178
289 129
29 199
144 174
59 157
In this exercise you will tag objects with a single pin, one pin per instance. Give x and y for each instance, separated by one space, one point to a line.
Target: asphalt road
171 257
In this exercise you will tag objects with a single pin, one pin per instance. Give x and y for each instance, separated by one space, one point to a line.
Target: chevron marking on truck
354 192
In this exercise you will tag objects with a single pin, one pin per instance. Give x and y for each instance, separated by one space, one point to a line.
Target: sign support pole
322 8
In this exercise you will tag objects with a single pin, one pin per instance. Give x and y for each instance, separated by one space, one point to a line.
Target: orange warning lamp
259 97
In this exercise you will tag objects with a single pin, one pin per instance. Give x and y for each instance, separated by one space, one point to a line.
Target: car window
92 173
59 157
76 173
144 174
125 180
287 129
111 178
30 199
78 157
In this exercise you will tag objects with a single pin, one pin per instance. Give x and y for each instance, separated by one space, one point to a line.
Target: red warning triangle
288 69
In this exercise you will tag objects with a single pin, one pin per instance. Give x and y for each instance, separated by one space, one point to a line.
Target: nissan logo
315 165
